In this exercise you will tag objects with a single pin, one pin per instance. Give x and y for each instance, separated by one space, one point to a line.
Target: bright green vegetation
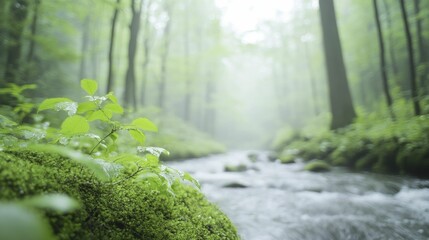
376 144
79 179
287 158
130 209
317 166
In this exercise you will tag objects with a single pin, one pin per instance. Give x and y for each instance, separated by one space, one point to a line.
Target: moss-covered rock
236 168
287 158
124 210
253 157
317 166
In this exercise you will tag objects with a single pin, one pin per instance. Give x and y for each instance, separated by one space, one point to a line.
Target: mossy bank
388 146
110 210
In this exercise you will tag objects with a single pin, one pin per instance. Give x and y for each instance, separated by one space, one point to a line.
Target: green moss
317 166
372 144
127 210
235 168
287 159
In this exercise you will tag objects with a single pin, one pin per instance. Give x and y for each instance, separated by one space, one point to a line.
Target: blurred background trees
238 84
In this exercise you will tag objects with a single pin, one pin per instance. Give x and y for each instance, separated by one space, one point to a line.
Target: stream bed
272 201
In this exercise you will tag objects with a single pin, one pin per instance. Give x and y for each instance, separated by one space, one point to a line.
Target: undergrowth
372 143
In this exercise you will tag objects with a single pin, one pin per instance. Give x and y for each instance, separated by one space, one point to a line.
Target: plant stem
108 135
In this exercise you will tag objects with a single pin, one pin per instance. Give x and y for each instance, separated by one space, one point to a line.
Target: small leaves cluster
95 108
22 106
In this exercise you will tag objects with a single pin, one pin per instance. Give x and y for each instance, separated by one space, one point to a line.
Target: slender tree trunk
391 39
341 103
188 89
110 68
412 66
17 16
33 31
3 35
209 115
383 67
146 54
84 48
422 46
164 58
130 80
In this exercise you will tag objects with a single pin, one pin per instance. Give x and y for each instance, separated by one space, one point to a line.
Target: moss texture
126 210
317 166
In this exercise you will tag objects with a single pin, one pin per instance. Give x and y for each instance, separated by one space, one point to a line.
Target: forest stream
275 201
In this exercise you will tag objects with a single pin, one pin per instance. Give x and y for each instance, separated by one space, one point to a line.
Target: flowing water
275 201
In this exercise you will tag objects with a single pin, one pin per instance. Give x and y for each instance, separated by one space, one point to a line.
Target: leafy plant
88 134
96 109
21 105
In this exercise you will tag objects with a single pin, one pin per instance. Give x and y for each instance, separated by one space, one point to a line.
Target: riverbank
378 145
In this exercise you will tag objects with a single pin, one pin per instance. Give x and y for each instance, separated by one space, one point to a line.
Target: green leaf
86 107
19 222
190 179
90 86
74 125
51 103
100 115
155 151
145 124
112 97
114 107
57 202
137 135
6 122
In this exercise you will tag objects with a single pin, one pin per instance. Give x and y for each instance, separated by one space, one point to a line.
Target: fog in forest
300 119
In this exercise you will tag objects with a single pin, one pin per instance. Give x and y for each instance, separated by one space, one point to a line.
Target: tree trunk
382 59
391 40
146 54
187 103
3 35
341 103
422 46
110 68
84 48
33 31
17 16
164 58
130 81
412 66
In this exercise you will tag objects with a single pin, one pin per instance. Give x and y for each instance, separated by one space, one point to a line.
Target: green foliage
20 220
18 106
81 159
372 143
99 109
